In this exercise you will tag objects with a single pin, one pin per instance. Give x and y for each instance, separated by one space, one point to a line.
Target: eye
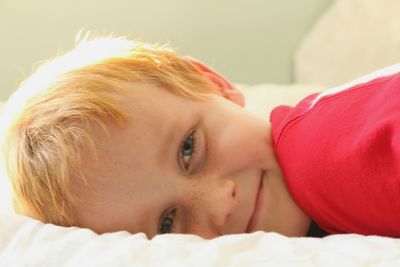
167 223
186 150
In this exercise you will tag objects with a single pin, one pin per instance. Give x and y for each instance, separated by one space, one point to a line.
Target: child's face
186 166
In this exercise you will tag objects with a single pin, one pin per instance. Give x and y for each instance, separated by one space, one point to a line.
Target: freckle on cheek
196 196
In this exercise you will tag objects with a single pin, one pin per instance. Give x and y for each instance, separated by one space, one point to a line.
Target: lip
257 206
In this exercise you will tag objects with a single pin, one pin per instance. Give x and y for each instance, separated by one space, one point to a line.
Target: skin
143 178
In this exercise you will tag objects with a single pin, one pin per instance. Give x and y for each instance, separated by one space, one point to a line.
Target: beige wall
249 41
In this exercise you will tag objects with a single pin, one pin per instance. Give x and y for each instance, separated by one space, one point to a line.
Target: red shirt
340 154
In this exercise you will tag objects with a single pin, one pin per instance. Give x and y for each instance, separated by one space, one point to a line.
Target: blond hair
45 121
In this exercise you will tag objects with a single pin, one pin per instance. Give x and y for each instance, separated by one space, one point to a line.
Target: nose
213 208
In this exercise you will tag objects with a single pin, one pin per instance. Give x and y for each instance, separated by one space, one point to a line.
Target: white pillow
5 191
262 98
351 39
26 242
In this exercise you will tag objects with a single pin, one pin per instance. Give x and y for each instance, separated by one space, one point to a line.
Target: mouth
257 206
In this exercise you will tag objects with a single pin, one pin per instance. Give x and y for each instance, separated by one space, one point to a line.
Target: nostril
232 188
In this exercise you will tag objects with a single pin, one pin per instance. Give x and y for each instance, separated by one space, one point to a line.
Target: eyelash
181 155
170 224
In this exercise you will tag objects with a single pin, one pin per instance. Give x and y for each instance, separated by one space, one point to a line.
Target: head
118 135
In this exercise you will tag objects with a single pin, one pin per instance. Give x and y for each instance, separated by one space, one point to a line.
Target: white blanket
25 242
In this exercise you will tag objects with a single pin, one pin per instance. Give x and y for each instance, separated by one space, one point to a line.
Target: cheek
240 142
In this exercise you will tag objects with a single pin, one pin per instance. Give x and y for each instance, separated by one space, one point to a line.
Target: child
117 135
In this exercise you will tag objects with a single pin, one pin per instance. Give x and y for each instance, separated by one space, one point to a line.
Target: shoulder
358 97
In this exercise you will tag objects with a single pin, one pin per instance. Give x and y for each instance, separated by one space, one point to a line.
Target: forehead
147 100
156 117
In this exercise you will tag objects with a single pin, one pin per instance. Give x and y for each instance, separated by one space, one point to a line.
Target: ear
228 90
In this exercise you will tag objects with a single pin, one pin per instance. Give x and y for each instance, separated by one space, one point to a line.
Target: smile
257 206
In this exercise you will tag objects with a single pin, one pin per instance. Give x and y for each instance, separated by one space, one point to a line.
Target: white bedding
350 40
26 242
